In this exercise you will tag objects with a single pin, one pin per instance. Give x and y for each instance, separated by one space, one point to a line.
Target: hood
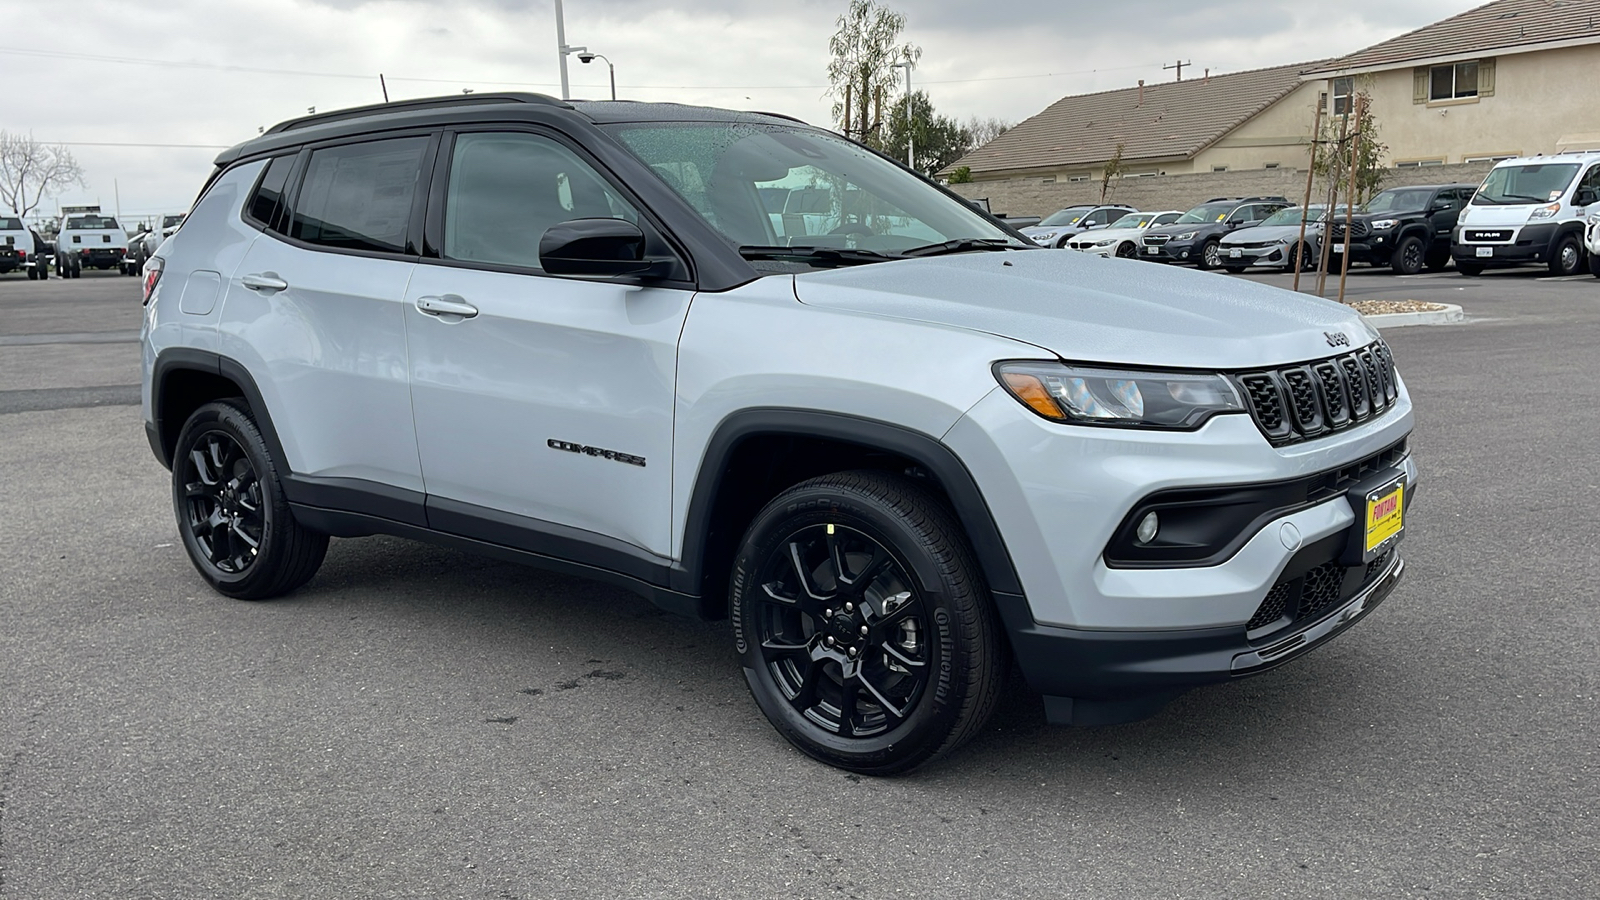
1497 216
1087 309
1260 234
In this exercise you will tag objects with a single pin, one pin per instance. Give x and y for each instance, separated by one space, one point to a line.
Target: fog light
1148 526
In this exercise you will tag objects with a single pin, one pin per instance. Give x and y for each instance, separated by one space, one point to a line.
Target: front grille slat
1297 403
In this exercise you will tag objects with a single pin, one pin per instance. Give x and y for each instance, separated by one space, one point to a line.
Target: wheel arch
183 380
756 453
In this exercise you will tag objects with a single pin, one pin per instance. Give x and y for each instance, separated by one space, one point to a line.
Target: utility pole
911 131
1311 174
1179 66
561 48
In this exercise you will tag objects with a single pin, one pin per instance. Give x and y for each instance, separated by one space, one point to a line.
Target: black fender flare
928 452
176 359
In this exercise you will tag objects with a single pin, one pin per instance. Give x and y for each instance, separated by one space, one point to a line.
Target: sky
146 94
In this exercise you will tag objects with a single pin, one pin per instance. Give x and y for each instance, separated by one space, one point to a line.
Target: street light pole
911 135
586 57
561 48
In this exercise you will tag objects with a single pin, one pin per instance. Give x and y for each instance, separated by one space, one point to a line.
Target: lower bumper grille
1303 597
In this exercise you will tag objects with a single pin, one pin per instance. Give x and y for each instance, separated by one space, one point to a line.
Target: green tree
1333 161
939 140
861 74
1113 169
961 175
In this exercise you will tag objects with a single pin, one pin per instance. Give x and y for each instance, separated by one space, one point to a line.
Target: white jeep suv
891 440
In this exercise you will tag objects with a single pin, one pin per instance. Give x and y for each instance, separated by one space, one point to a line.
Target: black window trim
432 237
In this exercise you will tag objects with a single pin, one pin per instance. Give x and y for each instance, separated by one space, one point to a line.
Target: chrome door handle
446 305
266 281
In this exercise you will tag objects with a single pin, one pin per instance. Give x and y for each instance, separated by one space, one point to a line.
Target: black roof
433 111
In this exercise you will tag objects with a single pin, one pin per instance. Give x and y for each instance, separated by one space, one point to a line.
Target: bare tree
31 171
862 81
981 131
1113 169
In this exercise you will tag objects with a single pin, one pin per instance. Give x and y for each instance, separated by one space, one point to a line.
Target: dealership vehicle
1121 237
41 256
1196 237
1277 241
1531 211
15 243
569 334
89 241
1405 228
1062 225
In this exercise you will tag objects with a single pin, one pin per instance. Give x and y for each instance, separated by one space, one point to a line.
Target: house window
1075 179
1343 90
1418 163
1048 179
1453 82
1490 158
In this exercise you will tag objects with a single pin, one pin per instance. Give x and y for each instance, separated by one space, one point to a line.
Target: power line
167 63
134 144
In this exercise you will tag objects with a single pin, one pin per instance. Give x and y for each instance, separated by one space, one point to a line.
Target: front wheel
1126 250
1567 258
232 513
862 623
1408 257
1210 255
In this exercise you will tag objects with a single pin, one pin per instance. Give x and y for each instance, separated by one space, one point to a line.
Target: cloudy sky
197 75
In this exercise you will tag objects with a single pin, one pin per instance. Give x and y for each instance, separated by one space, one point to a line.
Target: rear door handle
266 281
447 305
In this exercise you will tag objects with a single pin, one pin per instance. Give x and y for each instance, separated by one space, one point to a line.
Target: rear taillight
152 274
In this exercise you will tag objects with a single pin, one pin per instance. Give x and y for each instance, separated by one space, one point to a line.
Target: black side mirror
601 247
1585 197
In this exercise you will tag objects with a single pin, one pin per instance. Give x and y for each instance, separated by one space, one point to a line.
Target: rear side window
359 196
266 205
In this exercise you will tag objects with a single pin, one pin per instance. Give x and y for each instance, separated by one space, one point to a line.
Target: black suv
1196 236
1404 228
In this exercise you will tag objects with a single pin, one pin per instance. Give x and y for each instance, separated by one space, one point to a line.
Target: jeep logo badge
1337 338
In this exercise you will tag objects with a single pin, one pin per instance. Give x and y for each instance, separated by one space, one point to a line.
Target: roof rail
762 112
357 112
1271 199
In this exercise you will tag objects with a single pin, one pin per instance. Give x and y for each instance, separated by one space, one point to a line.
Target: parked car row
1532 211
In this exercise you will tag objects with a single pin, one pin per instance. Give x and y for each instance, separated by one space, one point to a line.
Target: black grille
1321 589
1272 608
1156 240
1358 230
1300 402
1302 598
1485 236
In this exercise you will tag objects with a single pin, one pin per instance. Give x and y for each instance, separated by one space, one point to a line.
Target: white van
1530 211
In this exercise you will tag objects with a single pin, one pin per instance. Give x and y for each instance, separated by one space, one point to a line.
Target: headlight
1042 235
1186 236
1080 395
1284 240
1545 212
1385 224
1105 243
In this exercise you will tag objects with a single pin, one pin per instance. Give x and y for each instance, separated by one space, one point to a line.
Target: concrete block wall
1024 196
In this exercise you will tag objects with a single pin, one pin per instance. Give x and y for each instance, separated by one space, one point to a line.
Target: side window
1591 181
266 205
1242 214
358 196
507 189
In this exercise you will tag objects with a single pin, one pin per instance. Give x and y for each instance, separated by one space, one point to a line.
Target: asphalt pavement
420 723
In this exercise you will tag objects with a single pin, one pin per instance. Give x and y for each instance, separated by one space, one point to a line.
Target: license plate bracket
1485 252
1379 504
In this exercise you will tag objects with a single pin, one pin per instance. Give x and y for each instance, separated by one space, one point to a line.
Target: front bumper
1237 255
1527 245
1171 252
1376 249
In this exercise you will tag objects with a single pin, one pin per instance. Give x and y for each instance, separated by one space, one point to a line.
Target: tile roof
1176 121
1501 25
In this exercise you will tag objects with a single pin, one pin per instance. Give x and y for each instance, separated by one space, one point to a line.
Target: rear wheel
1408 256
33 275
862 623
1568 257
75 270
232 514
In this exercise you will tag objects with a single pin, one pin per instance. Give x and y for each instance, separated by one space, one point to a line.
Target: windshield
1294 214
82 223
1399 200
773 185
1068 216
1132 220
170 221
1533 183
1209 212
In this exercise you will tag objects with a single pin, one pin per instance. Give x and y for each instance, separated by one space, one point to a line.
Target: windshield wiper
1505 197
961 245
816 256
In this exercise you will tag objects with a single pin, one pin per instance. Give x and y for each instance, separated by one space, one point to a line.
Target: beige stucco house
1509 78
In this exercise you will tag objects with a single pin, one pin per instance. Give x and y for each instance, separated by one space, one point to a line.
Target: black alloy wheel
861 624
1210 255
1127 250
232 514
1408 257
1567 258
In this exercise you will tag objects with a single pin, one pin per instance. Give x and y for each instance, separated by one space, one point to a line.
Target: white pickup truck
89 241
15 244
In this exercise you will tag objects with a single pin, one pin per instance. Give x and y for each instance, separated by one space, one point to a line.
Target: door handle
266 281
446 305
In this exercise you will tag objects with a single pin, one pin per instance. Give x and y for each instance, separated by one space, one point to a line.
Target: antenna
1179 66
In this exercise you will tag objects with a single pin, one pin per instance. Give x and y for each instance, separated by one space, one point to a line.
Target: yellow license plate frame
1385 515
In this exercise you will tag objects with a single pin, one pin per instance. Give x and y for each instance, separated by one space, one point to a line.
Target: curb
1450 315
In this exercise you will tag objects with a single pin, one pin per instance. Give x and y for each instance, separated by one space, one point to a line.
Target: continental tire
232 515
863 625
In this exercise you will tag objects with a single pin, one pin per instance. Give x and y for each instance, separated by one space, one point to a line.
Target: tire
75 270
926 675
1567 258
43 272
1469 269
33 275
1408 257
1127 250
1594 264
1297 258
1210 255
1437 262
232 514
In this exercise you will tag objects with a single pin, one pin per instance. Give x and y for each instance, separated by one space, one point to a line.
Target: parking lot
418 722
